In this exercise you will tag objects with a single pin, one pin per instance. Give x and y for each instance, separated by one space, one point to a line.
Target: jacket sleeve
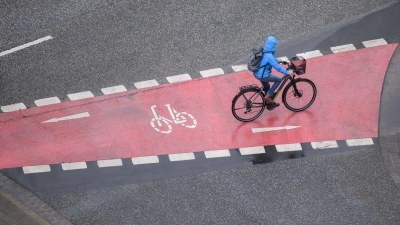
274 63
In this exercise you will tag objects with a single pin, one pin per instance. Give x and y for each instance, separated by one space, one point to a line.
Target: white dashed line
47 101
373 43
109 163
284 58
217 153
252 150
359 142
310 54
211 72
181 156
112 90
288 147
25 45
343 48
179 78
36 169
80 95
145 160
239 68
74 166
324 144
145 84
13 107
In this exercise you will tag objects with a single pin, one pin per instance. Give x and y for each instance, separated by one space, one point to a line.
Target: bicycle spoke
248 106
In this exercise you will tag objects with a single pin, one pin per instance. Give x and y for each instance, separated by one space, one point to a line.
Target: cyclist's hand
290 73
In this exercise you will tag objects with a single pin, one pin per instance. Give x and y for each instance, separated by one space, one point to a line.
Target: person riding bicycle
264 73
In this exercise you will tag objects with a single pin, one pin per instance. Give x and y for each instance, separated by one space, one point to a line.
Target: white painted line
311 54
211 72
71 117
288 147
359 142
217 153
25 45
343 48
181 156
13 107
178 78
80 95
239 68
324 144
252 150
109 163
284 58
74 166
375 42
145 160
47 101
112 90
36 169
145 84
265 129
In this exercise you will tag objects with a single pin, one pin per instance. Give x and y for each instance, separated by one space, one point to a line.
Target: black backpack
254 61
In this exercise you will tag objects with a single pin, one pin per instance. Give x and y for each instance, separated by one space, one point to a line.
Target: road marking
178 78
252 150
373 43
109 163
239 68
47 101
145 160
288 147
145 84
310 54
359 142
284 58
217 153
181 156
36 169
343 48
74 166
112 90
324 144
258 130
25 45
13 107
211 72
71 117
80 95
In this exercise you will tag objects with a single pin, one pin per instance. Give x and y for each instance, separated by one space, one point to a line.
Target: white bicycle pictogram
177 118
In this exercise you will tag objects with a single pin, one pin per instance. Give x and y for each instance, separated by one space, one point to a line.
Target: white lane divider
324 144
145 160
284 58
373 43
36 169
112 90
179 78
145 84
47 101
239 68
212 72
288 147
109 163
343 48
38 41
13 107
71 117
74 166
181 156
252 150
80 95
310 54
217 153
359 142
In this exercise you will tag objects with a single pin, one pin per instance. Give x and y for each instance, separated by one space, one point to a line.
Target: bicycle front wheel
300 95
248 105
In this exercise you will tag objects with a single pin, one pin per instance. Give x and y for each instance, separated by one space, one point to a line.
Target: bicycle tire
245 102
304 87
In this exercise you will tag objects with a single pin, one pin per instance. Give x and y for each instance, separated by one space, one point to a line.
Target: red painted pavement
347 106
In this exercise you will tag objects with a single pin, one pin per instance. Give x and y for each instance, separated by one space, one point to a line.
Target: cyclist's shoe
272 106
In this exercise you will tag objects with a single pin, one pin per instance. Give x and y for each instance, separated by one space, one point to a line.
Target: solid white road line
145 84
211 72
47 101
310 54
178 78
288 147
74 166
181 156
109 163
324 144
25 45
217 153
145 160
36 169
80 95
343 48
252 150
359 142
13 107
239 68
112 90
375 42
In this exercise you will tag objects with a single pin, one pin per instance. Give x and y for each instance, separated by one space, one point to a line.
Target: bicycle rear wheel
248 105
301 99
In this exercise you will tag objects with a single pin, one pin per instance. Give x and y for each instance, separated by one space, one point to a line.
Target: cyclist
264 73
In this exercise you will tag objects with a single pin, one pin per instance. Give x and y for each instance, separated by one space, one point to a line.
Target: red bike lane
120 125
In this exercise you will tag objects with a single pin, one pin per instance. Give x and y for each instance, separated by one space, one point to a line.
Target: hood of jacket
270 44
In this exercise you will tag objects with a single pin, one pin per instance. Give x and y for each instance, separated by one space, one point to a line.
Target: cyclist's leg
277 80
265 85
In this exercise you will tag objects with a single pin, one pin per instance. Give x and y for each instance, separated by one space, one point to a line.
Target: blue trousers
271 78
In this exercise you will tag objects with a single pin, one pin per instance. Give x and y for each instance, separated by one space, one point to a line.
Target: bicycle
297 96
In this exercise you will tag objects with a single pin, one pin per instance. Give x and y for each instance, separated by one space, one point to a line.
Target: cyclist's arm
274 63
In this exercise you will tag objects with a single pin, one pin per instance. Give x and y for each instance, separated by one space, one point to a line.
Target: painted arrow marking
258 130
72 117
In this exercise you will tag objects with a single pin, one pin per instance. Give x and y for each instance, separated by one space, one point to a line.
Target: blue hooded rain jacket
269 60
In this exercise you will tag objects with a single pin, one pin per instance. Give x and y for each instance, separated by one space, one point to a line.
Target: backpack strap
264 52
